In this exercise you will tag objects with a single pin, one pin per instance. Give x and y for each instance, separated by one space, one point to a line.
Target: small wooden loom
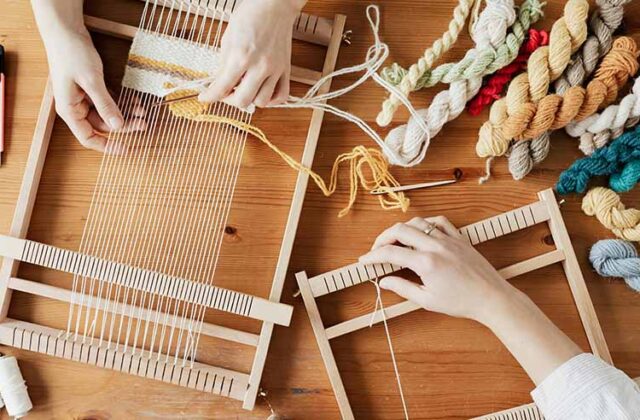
544 210
171 280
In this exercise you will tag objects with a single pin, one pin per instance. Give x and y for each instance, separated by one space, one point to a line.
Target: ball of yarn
617 258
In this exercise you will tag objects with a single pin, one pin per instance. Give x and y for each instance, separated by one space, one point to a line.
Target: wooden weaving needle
379 191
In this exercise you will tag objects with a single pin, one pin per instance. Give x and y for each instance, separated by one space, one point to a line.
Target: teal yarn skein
617 258
626 179
612 159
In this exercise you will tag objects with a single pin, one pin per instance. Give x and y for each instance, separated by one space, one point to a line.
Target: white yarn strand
612 121
410 141
376 55
13 388
388 335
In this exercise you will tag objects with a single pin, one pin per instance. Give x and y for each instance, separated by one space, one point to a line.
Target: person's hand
456 279
255 55
81 96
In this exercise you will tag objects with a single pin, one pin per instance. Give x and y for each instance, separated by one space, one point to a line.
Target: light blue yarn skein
617 258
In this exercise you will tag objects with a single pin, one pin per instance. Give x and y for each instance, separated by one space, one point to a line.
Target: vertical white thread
386 330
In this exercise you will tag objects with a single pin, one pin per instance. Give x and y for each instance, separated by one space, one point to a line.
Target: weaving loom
142 296
546 210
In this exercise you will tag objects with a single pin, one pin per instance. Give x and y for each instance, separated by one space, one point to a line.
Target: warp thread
495 84
596 131
531 123
361 159
379 308
545 65
410 78
497 53
608 208
617 258
409 140
375 58
619 159
13 388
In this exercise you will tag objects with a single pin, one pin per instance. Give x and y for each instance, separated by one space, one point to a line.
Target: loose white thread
13 388
410 141
386 330
375 58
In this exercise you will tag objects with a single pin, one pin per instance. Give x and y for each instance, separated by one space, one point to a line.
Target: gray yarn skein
604 21
617 258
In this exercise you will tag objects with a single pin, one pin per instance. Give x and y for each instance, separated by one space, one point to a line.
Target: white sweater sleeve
585 388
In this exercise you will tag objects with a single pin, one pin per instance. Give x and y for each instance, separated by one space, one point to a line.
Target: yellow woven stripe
146 63
368 167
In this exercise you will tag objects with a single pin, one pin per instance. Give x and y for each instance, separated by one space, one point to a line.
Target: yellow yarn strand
608 208
368 167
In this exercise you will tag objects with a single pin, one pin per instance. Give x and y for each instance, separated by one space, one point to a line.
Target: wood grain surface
451 368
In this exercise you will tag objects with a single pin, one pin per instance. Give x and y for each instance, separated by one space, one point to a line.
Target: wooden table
451 368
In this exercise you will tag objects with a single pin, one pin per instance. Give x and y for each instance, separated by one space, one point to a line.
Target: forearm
58 17
538 345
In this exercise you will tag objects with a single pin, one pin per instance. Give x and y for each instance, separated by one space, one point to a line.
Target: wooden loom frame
35 337
544 210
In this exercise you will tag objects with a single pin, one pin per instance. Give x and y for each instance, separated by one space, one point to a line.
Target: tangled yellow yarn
545 65
607 207
368 168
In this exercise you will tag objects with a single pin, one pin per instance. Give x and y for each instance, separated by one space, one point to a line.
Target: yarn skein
495 84
604 21
531 123
545 65
410 141
498 53
433 53
617 258
553 111
13 388
608 208
610 160
596 131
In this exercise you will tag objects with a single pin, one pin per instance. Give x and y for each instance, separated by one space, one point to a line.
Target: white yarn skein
613 119
409 141
13 388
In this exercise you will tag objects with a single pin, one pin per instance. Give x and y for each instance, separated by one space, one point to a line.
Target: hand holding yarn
453 272
608 208
617 258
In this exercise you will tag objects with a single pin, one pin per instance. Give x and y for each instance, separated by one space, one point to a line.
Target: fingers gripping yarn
410 141
596 131
490 58
439 47
617 258
545 65
604 21
609 160
495 84
607 207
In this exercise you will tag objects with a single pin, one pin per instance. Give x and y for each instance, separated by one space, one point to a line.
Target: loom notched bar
475 233
544 210
145 280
